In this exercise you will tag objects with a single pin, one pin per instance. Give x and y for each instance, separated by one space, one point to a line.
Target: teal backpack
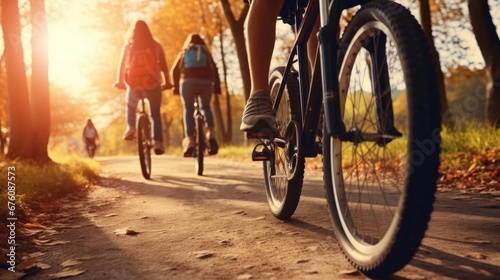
195 56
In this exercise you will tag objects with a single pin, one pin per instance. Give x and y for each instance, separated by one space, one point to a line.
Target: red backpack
143 70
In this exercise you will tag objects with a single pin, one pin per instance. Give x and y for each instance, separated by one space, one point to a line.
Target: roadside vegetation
470 157
39 187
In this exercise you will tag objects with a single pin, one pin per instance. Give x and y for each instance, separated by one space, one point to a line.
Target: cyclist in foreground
141 66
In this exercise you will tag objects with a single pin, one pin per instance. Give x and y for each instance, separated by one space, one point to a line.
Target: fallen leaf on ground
125 231
53 243
230 257
111 215
260 218
224 242
32 225
476 255
245 277
30 232
32 264
485 242
41 241
203 254
67 273
69 263
35 254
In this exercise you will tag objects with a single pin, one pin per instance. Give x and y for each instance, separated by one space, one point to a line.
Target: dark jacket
179 73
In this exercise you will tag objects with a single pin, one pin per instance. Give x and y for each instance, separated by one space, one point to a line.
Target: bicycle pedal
261 155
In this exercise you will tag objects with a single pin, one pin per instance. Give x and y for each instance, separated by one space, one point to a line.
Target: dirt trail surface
218 226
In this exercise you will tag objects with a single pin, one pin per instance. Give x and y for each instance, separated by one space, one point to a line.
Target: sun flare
71 49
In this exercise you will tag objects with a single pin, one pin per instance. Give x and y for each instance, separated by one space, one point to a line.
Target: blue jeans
154 96
188 86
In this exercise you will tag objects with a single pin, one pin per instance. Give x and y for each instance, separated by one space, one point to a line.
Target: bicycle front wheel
380 177
144 145
284 172
200 145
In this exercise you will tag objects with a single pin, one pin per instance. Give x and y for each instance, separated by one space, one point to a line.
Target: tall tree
489 44
40 96
19 105
426 21
3 108
228 130
236 25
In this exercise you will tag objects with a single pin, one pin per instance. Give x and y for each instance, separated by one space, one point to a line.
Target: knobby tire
283 193
380 201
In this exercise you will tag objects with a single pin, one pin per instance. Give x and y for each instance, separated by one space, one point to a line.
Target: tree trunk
3 110
227 137
19 104
425 17
40 95
489 44
236 26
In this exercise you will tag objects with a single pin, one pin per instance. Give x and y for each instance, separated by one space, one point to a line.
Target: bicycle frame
320 87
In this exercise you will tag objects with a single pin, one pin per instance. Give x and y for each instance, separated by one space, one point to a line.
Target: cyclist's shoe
158 147
213 147
188 147
129 133
258 120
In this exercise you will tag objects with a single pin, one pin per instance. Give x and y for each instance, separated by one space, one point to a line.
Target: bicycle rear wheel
284 172
200 145
144 145
380 178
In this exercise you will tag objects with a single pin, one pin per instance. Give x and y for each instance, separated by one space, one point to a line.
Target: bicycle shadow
451 265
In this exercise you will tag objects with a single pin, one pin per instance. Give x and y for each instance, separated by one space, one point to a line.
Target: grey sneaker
258 119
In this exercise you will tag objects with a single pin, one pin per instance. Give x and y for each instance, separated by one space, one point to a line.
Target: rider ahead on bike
141 40
193 71
260 37
90 136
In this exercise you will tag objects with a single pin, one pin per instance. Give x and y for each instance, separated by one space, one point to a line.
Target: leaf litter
125 231
66 273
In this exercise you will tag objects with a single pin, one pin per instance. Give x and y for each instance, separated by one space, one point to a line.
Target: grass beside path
38 188
470 158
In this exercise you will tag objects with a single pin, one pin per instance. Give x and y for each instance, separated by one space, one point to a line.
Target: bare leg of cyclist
312 44
260 31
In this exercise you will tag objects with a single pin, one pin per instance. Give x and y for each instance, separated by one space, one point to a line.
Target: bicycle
375 120
143 130
144 135
199 135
